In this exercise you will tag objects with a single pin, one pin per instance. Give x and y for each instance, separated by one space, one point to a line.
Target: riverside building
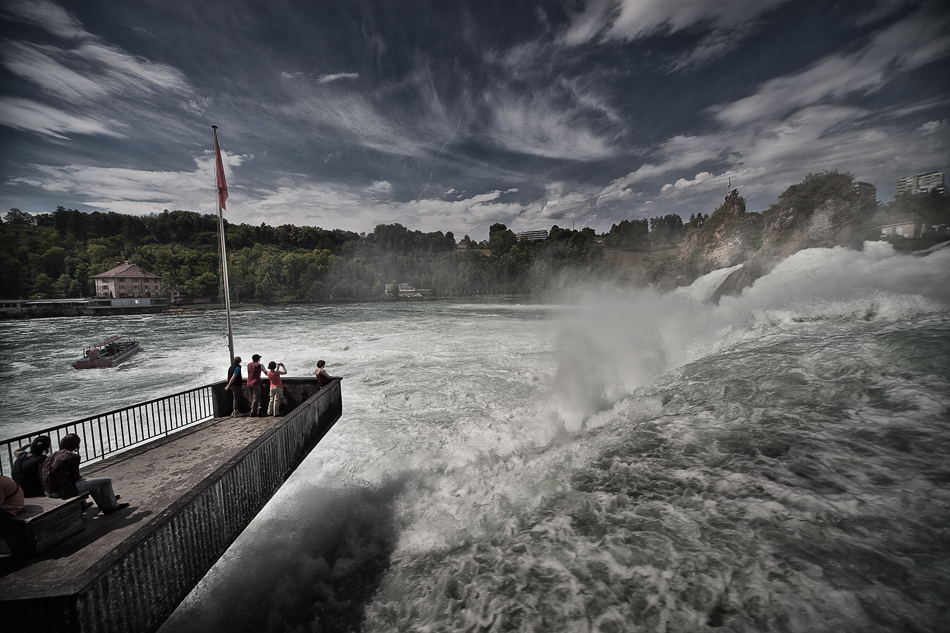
127 280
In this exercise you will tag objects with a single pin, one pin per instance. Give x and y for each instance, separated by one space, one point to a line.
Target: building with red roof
127 280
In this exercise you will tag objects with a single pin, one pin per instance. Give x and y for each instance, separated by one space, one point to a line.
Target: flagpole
224 257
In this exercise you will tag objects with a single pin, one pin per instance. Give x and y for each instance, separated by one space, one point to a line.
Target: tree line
56 254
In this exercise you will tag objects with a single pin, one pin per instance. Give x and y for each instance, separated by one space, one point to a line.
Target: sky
453 115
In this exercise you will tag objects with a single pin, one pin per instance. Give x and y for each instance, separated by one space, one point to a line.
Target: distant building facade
405 290
180 296
922 183
909 225
865 190
532 236
127 280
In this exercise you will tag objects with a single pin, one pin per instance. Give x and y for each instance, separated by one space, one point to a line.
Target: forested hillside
55 254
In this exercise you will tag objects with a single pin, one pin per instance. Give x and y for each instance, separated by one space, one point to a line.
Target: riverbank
199 308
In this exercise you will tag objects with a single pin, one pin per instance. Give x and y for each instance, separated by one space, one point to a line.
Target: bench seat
43 523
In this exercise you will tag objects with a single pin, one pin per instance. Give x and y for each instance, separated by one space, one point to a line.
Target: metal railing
108 433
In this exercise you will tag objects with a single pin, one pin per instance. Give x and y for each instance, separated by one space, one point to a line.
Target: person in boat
61 479
323 378
254 384
26 468
274 372
234 386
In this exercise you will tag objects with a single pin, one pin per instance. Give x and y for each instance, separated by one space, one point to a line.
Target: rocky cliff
728 237
820 211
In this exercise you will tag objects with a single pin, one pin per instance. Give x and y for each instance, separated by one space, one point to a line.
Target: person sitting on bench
13 501
26 468
61 480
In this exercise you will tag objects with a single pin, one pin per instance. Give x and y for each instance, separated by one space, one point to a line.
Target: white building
921 183
127 280
532 236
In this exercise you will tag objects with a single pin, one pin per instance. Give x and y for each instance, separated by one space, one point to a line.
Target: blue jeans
101 490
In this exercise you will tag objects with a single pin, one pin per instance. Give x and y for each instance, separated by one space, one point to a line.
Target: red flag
222 184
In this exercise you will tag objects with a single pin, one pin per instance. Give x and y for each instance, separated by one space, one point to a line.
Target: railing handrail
149 419
102 415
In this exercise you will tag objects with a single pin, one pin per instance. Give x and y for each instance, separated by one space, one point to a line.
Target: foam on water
633 461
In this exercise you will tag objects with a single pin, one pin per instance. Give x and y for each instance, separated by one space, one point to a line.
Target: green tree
500 240
19 218
42 287
206 285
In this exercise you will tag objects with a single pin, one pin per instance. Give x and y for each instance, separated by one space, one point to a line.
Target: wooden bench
43 523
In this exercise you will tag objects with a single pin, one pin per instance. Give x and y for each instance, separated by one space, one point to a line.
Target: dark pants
255 399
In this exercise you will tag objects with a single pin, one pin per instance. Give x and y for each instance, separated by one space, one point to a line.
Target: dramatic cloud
328 78
536 126
45 14
89 71
632 19
909 44
35 117
140 192
683 183
454 119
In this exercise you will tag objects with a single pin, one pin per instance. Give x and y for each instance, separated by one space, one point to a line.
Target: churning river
619 461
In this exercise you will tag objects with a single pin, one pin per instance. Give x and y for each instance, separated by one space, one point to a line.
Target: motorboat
108 353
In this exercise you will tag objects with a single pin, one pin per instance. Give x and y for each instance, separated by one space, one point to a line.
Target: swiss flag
222 184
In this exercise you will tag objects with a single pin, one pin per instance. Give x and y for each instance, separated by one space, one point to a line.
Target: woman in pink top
274 372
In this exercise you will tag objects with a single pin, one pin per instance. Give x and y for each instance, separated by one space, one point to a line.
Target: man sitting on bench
61 480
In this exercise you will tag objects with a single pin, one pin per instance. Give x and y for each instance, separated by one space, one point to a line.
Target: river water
620 461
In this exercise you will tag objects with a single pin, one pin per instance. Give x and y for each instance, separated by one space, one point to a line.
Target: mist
465 485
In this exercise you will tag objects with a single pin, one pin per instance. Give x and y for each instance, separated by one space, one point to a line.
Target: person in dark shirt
235 387
323 378
61 479
26 468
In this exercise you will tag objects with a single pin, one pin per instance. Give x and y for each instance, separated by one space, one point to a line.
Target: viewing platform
194 478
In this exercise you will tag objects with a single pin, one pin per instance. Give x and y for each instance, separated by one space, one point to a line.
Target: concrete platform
191 495
151 478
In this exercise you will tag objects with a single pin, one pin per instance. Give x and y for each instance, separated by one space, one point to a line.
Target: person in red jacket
254 369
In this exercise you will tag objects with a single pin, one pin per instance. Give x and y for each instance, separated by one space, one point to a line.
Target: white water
631 462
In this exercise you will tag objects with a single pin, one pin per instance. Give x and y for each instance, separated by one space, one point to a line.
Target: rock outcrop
788 230
820 211
728 237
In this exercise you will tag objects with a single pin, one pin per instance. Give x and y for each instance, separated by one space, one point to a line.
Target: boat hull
107 361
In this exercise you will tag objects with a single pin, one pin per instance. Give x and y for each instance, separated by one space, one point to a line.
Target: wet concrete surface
151 478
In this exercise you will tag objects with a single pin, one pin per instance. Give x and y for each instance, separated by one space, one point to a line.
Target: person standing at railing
61 479
234 386
254 369
323 378
275 371
26 468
